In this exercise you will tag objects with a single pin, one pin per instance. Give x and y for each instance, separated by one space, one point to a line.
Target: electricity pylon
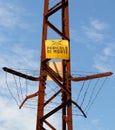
64 81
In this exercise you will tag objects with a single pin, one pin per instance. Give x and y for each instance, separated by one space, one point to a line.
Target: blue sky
92 33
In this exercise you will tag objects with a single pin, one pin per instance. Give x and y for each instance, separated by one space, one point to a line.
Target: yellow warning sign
57 49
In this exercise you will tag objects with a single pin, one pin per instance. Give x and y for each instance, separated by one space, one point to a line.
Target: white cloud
12 16
96 24
8 16
95 122
13 20
109 50
104 60
11 118
94 31
18 56
3 39
93 34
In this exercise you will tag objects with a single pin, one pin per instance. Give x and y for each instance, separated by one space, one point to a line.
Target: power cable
10 90
80 91
100 88
21 88
91 96
85 93
17 89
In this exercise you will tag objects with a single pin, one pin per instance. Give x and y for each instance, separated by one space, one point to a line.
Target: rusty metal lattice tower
64 81
65 84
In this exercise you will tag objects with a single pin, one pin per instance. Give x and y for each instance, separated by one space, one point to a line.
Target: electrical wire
100 88
82 95
92 93
17 89
21 88
85 93
26 87
10 90
80 91
52 90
